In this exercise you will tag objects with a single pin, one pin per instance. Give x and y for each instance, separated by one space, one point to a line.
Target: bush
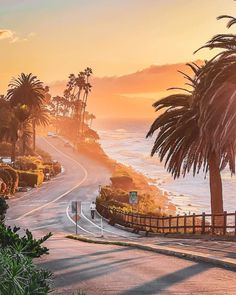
14 177
18 275
3 208
32 179
56 168
28 163
7 179
44 155
27 245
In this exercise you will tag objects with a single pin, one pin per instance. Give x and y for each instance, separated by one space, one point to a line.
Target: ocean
124 141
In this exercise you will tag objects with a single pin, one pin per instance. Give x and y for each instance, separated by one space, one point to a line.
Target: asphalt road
102 269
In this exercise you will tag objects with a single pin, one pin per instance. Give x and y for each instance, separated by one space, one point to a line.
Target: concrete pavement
103 269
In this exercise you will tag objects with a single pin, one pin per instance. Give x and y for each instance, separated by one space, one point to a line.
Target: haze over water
124 141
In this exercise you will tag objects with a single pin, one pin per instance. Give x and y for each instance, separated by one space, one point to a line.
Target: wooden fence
220 224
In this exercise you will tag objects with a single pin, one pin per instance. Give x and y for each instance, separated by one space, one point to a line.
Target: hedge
14 177
32 179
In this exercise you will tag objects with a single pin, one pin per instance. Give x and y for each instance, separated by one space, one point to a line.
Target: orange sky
132 95
116 38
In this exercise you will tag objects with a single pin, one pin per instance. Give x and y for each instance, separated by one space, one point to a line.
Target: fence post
203 222
213 223
225 222
185 222
235 222
157 224
170 217
163 222
177 224
194 231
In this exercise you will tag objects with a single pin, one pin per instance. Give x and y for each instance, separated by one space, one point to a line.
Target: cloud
6 34
13 37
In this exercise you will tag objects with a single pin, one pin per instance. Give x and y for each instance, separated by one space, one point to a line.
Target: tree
39 116
197 130
26 90
26 93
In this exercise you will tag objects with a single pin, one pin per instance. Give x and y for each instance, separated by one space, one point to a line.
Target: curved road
102 269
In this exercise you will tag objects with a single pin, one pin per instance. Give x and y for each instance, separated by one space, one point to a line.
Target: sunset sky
53 38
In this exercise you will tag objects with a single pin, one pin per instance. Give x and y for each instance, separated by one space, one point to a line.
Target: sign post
133 198
74 209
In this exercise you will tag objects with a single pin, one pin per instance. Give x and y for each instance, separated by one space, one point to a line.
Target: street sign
133 197
74 207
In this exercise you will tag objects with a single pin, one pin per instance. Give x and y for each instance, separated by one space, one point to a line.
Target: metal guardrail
220 224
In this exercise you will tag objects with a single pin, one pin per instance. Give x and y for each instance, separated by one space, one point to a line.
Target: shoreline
142 183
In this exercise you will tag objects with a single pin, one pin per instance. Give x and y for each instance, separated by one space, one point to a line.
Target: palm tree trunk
34 134
83 115
13 150
216 191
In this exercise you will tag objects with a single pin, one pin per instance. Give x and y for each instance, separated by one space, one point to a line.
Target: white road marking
64 194
94 224
67 213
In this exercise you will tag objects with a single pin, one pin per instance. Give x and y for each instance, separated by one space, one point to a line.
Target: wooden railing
220 224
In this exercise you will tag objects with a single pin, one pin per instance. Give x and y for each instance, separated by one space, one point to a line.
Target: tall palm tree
186 141
213 105
91 117
39 116
26 90
87 88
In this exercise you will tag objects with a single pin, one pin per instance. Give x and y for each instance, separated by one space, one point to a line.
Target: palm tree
92 117
39 116
26 90
185 139
201 134
11 121
87 88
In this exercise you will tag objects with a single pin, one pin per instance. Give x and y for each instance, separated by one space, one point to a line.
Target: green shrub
19 276
14 177
7 179
56 168
44 155
27 163
32 179
26 244
3 208
3 187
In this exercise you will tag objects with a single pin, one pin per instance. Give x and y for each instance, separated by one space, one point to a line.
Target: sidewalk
219 253
206 249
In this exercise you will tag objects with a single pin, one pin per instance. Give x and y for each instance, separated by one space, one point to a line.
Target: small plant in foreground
27 245
19 276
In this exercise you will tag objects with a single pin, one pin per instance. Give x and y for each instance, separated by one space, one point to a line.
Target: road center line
64 194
